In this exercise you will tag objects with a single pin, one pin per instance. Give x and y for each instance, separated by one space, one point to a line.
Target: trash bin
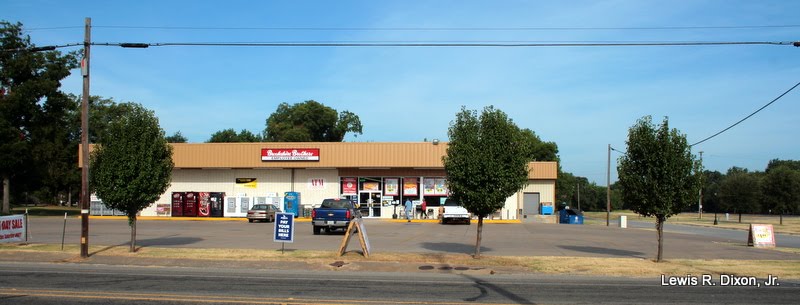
570 216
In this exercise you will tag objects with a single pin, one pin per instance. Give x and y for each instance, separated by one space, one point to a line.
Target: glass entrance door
370 203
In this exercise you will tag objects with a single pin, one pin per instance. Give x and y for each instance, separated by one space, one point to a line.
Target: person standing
424 209
409 209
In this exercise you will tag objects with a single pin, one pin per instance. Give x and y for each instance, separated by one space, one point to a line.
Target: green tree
230 136
30 80
791 164
659 175
177 137
486 162
711 182
540 150
781 190
132 166
740 192
310 121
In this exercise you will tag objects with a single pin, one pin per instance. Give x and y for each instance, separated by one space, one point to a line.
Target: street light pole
85 141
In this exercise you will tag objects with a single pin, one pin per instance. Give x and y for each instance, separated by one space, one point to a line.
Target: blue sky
581 98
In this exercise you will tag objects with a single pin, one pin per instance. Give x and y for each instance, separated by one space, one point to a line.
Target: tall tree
176 137
711 182
659 175
486 162
740 192
230 136
310 121
540 150
132 166
30 80
781 190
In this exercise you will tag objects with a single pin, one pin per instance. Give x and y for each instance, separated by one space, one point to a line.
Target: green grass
47 210
791 224
628 267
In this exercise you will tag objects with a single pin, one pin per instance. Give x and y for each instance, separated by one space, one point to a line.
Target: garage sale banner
12 229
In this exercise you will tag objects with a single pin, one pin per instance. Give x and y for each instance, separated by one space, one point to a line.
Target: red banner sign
349 186
290 154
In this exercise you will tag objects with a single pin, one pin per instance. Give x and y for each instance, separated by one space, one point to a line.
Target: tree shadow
608 251
454 247
167 241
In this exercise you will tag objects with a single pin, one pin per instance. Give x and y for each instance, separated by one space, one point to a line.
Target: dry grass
628 267
791 224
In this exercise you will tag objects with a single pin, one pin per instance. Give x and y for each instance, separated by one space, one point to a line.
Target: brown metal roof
362 155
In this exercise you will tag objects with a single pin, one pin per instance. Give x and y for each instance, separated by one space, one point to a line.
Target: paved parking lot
387 236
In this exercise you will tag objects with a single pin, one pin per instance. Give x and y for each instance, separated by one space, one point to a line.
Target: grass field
628 267
49 210
791 224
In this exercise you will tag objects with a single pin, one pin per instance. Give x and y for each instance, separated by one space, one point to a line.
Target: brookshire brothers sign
290 154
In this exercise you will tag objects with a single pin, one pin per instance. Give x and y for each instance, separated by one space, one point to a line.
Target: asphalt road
44 283
498 239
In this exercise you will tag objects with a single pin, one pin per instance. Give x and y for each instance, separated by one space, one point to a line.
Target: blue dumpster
547 210
570 216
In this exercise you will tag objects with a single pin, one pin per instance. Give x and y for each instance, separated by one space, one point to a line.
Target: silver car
262 212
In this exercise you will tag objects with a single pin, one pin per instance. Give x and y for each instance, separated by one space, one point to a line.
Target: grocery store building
225 179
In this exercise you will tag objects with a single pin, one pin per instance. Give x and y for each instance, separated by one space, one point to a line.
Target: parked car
262 212
333 214
454 212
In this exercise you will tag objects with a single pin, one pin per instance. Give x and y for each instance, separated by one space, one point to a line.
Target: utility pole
85 141
579 195
608 188
700 200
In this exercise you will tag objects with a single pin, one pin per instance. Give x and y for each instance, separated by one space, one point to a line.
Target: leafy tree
659 175
781 190
177 137
230 136
310 121
740 192
30 81
540 150
132 166
776 163
486 162
711 182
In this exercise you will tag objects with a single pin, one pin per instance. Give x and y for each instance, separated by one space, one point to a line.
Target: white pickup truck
453 212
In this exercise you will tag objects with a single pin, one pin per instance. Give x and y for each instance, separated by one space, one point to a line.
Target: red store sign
290 154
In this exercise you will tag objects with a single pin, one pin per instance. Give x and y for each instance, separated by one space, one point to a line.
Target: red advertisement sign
290 154
349 186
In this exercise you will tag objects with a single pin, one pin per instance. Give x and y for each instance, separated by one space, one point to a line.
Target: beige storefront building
376 175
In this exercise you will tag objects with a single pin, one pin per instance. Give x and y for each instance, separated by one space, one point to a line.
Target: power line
747 117
398 29
448 44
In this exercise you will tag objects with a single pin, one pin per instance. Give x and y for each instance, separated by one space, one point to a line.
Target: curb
299 219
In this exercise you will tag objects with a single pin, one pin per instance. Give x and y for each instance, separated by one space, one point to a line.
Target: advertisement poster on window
441 187
371 186
429 186
392 186
349 186
410 187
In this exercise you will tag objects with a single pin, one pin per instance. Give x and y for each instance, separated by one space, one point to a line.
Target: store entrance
370 203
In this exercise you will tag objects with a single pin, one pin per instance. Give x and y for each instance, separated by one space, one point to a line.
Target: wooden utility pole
700 200
85 141
608 188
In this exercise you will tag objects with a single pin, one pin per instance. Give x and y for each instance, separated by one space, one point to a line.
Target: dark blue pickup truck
333 214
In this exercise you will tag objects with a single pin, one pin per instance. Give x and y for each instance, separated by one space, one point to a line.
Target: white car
453 212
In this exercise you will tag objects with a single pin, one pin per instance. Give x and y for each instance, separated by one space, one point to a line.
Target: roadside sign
13 229
761 235
284 228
